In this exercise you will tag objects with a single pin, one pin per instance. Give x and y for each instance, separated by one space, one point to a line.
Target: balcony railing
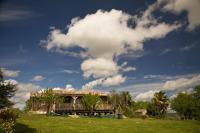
69 106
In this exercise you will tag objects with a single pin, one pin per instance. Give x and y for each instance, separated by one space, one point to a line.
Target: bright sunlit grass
58 124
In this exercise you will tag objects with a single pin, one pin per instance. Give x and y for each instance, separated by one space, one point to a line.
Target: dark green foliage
49 98
196 96
90 102
151 110
161 102
7 115
7 119
184 105
187 105
10 114
140 105
28 105
7 91
122 102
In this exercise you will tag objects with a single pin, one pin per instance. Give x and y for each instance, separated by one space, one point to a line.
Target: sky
138 46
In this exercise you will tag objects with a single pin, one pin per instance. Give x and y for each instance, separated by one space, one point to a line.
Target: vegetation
7 91
28 105
90 102
122 103
140 105
184 105
160 102
49 98
187 105
58 124
7 114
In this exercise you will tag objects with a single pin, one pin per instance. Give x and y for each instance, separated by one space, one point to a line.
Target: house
72 102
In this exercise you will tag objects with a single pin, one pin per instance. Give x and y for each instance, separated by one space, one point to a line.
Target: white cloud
23 92
104 36
92 84
10 81
187 48
192 7
69 87
109 81
38 78
70 71
14 14
127 69
115 80
165 51
99 68
10 73
106 33
145 96
182 83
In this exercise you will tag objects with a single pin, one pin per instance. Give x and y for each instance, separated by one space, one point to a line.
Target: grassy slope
44 124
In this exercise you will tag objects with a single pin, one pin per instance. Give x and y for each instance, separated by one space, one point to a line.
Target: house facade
72 102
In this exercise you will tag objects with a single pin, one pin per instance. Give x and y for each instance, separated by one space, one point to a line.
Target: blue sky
138 46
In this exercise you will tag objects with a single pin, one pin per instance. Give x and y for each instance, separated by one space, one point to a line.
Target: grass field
58 124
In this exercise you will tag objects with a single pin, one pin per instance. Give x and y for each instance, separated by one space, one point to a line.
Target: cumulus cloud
191 7
10 73
10 81
69 87
180 83
107 33
99 67
103 36
145 96
92 84
38 78
23 92
115 80
109 81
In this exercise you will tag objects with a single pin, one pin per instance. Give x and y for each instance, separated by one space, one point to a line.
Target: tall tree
49 98
121 101
7 90
196 96
126 99
184 105
90 102
161 103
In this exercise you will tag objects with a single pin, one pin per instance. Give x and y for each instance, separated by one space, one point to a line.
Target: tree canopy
7 90
90 102
49 98
161 103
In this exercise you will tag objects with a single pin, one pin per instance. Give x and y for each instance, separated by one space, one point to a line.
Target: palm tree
121 101
49 98
161 103
126 99
90 102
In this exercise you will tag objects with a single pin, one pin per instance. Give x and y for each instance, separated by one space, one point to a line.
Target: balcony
70 107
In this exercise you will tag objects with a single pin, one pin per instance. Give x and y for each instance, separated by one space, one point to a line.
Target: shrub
7 126
9 114
7 119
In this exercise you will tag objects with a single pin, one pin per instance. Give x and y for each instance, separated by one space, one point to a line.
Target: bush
9 114
7 126
7 119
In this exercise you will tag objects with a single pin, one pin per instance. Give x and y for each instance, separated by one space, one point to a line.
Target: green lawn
58 124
